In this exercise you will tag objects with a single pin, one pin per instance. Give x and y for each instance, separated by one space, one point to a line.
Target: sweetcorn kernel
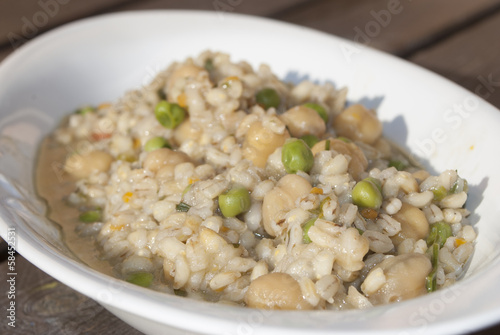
127 196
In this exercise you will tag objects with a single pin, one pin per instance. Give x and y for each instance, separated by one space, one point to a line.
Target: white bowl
98 59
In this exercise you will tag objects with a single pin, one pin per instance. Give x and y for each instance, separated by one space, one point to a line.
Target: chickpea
280 200
276 291
82 166
414 224
302 120
159 158
358 162
384 147
404 278
260 142
359 124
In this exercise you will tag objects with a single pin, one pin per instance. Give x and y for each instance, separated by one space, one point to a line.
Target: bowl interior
97 60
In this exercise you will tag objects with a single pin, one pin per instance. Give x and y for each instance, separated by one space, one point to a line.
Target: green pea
85 110
267 98
375 181
367 194
209 64
90 216
144 279
439 233
305 230
297 156
310 140
439 193
399 165
156 143
235 201
319 109
170 115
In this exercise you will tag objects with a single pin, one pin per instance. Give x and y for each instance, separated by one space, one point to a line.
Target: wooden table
455 38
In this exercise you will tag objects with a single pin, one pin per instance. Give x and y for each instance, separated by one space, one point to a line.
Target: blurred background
457 39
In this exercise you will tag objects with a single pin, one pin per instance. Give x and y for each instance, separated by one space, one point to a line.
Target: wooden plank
3 250
254 7
396 26
45 306
4 52
470 58
23 20
493 330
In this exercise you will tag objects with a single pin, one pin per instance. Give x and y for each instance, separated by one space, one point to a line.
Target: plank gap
295 7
